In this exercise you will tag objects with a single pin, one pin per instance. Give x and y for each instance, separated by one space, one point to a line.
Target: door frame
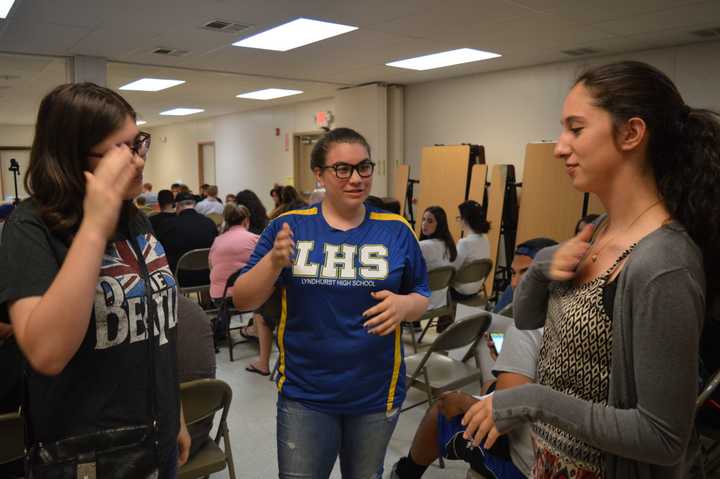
296 152
2 178
201 162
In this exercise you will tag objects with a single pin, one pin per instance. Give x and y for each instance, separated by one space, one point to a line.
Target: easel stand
409 201
15 170
508 232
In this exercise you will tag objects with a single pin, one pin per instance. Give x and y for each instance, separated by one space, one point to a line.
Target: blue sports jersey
328 361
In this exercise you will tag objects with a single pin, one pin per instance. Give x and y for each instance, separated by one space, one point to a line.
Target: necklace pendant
594 257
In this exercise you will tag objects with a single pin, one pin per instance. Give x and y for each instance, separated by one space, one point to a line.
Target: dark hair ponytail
683 150
442 231
474 215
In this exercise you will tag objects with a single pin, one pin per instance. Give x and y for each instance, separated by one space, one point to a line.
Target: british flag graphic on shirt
120 301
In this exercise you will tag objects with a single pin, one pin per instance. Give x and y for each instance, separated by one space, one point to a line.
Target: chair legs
228 454
412 335
425 330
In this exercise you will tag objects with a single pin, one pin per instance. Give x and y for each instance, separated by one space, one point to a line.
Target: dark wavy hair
442 232
318 156
474 215
71 120
258 214
683 150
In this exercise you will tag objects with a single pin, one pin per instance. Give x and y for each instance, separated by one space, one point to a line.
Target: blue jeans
309 442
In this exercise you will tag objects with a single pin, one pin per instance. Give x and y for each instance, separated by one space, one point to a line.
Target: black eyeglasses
344 171
140 146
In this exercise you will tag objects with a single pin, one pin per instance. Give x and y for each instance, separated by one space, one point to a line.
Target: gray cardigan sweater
647 429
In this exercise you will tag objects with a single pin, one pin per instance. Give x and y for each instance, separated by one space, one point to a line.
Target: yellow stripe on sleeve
308 212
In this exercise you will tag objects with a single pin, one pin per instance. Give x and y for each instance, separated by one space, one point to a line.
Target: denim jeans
309 442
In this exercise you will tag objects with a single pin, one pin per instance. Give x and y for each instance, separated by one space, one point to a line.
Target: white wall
13 135
506 110
248 154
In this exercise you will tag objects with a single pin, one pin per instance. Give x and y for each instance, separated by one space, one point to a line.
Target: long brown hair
683 151
71 120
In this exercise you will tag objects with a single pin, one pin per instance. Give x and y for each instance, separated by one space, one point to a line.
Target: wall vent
577 52
173 52
707 32
225 26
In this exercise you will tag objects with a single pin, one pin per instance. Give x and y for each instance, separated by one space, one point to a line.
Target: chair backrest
194 260
12 437
440 278
202 398
462 333
710 387
216 218
474 271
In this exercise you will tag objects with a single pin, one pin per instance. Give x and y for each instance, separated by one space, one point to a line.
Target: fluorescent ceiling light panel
268 94
140 122
151 84
182 111
5 6
444 59
297 33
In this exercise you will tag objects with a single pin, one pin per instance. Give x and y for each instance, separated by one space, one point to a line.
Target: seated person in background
375 201
392 205
195 359
150 197
472 246
142 205
522 259
189 231
289 200
229 198
5 211
166 203
275 195
258 215
229 253
584 221
175 188
231 250
211 203
438 248
441 430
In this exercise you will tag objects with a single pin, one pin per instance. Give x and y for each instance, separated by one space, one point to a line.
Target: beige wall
506 110
248 154
13 135
173 154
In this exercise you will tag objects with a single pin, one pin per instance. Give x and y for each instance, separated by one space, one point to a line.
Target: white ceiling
525 32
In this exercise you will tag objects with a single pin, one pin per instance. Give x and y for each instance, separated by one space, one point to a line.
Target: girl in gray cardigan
623 303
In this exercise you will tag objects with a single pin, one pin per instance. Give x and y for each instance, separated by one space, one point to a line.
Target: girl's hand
105 189
386 315
566 259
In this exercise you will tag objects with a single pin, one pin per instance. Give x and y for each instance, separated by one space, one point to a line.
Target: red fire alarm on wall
277 131
323 119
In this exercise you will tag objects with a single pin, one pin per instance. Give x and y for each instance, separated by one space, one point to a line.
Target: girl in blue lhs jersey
349 275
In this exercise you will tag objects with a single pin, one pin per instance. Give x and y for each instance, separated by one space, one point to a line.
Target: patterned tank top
574 359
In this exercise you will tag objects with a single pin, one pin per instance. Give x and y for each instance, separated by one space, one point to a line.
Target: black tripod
15 170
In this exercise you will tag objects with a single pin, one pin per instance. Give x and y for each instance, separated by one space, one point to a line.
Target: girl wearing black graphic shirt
76 259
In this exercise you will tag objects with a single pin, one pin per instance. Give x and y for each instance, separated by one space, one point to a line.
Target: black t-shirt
187 231
107 382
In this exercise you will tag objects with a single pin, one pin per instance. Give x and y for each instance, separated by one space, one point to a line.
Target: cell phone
497 339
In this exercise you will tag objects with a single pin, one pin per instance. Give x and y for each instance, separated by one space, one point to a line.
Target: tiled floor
252 422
